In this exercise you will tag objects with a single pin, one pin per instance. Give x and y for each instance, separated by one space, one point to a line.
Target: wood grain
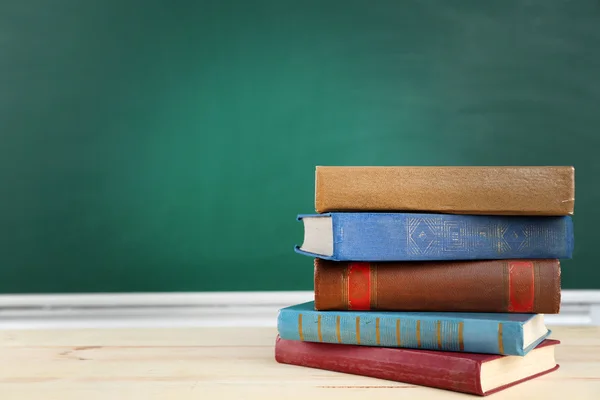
231 363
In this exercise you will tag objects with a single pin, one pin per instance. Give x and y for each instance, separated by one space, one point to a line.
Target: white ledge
204 299
130 310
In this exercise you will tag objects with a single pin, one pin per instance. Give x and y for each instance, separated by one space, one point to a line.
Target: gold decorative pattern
337 329
357 330
377 333
454 234
319 328
373 294
536 286
461 341
418 333
344 283
398 341
423 234
506 286
439 334
300 327
427 235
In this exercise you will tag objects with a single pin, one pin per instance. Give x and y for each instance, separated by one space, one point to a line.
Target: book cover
503 286
490 333
502 190
478 374
373 236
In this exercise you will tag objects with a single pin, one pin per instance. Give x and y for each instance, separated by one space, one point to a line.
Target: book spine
368 329
502 286
416 368
429 237
453 190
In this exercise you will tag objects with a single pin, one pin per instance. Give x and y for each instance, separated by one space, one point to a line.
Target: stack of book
434 276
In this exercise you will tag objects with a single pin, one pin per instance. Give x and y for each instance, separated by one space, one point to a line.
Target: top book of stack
544 191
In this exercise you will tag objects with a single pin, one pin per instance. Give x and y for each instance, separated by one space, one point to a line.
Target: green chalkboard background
168 145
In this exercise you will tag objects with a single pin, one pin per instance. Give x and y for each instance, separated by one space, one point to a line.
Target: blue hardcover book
345 236
489 333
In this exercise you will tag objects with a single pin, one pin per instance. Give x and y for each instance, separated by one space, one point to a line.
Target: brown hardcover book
509 286
454 190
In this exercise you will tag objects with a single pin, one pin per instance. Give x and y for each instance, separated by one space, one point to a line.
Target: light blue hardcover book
489 333
345 236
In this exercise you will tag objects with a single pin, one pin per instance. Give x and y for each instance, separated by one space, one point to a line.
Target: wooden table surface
232 363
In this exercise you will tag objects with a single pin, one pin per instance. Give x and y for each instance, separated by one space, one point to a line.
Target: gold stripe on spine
357 330
419 333
537 280
439 334
505 274
373 279
345 301
398 341
337 329
300 333
377 332
461 341
500 340
319 328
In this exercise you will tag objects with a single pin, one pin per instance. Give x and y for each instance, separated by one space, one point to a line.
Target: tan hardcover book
493 286
452 190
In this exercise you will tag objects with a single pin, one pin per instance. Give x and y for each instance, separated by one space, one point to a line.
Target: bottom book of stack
474 353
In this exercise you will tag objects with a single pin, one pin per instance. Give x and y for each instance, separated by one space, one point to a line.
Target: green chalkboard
168 145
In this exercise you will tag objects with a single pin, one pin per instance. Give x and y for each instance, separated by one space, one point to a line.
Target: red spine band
521 286
359 286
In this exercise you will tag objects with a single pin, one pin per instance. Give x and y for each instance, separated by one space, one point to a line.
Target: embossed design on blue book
490 333
421 237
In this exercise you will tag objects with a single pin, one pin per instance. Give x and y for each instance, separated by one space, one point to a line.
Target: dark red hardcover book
478 374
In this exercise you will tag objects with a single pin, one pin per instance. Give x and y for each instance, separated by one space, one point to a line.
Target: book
503 286
378 236
478 374
506 190
491 333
